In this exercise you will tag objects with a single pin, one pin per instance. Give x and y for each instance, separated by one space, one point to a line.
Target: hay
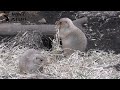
30 38
94 64
91 65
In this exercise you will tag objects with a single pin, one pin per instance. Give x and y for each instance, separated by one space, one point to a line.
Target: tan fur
72 37
30 61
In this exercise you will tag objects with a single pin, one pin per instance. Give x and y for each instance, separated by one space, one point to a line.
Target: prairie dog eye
65 21
41 60
59 23
37 58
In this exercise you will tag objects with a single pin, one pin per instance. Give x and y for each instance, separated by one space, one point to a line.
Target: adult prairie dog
31 61
72 37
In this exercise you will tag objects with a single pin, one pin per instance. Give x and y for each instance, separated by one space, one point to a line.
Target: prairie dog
42 21
72 37
31 61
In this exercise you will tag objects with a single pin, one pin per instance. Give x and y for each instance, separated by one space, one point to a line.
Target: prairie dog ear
66 22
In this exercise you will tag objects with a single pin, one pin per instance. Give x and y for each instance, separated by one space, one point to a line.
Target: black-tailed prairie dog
31 61
72 37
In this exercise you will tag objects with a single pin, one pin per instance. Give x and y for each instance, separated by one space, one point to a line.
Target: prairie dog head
38 59
64 23
31 61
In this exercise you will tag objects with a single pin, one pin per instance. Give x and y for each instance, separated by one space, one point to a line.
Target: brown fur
72 37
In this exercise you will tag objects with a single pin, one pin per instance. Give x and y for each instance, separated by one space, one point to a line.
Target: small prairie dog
72 37
31 61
